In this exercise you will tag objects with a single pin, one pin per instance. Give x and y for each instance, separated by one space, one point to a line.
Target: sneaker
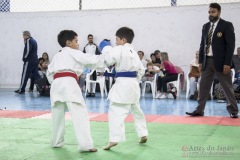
163 96
221 101
158 95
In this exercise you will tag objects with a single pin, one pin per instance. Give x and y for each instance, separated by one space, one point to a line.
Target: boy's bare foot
93 150
143 139
110 145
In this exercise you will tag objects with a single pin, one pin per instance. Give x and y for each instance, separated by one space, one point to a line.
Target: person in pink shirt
169 74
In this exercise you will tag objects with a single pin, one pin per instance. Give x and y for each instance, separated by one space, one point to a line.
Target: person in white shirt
65 92
92 48
194 75
125 93
143 60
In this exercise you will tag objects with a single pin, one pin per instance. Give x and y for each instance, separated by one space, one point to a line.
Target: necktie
209 39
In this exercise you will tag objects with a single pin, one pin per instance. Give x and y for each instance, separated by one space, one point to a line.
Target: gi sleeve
141 71
50 71
89 60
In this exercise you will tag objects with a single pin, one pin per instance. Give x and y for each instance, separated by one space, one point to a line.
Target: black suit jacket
223 44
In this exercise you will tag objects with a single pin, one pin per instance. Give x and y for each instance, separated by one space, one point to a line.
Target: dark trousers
225 81
31 82
28 69
162 81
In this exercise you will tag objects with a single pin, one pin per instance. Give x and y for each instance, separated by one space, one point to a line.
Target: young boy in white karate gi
65 92
125 93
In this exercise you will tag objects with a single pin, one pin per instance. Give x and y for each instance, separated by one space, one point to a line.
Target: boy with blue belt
125 93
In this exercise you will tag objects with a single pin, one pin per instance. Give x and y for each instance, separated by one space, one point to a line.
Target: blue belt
132 74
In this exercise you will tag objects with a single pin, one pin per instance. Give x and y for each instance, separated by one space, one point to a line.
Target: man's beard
213 19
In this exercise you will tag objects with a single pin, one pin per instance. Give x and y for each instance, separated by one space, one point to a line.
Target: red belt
66 74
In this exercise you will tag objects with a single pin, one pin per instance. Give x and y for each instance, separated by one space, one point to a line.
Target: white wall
176 30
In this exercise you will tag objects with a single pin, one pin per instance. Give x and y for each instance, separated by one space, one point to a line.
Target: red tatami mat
20 114
208 120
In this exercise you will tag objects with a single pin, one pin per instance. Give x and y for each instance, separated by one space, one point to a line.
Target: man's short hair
126 33
215 5
90 35
66 35
27 33
141 52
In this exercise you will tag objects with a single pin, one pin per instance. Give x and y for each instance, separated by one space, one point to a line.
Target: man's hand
200 68
226 69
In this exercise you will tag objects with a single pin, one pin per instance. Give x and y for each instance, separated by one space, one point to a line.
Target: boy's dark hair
90 35
66 35
126 33
40 59
215 5
153 54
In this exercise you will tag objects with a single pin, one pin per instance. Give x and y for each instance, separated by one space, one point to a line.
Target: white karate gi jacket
66 89
125 90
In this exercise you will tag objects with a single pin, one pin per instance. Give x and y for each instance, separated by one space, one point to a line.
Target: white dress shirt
90 48
210 48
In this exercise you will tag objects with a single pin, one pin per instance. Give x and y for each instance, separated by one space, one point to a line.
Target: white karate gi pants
81 124
117 114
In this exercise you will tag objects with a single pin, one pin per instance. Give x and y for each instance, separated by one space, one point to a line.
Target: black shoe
17 91
191 97
195 114
233 115
92 94
21 92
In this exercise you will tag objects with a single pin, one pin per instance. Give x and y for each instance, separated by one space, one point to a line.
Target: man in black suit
215 57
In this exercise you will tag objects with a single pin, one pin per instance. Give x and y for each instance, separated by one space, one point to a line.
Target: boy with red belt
65 92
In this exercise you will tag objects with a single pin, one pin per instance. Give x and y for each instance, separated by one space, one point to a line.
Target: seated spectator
43 66
170 74
157 54
82 79
156 65
236 62
143 60
45 57
194 75
40 69
149 73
